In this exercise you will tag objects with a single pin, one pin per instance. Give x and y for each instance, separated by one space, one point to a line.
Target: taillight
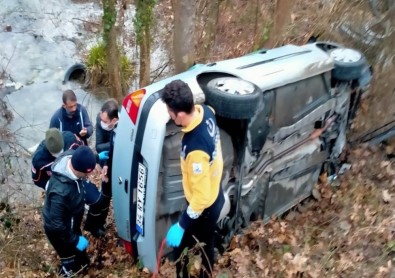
128 246
132 103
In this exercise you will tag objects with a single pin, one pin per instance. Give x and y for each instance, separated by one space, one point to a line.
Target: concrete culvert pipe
76 73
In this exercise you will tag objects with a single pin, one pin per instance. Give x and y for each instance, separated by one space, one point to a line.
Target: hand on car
82 244
103 174
103 155
174 235
83 132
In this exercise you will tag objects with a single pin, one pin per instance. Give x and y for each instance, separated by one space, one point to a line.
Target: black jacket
42 159
103 137
64 203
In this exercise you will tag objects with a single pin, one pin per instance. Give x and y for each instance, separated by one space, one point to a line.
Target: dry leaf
386 196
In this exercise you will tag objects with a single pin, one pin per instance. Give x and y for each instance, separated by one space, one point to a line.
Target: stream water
39 41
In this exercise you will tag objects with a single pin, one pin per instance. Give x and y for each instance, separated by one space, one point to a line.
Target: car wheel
232 97
349 63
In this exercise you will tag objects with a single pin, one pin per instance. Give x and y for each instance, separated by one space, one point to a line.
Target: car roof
267 69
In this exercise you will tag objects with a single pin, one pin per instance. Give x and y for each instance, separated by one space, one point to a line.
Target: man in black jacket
64 208
52 146
106 123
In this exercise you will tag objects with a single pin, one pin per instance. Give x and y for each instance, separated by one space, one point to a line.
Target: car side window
296 100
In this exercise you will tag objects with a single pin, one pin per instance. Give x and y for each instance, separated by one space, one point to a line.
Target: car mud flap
238 213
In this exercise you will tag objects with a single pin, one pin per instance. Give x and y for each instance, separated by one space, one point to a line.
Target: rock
32 149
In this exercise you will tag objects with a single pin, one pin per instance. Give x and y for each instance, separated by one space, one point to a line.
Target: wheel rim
233 86
345 55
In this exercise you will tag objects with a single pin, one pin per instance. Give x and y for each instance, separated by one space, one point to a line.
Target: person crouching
64 208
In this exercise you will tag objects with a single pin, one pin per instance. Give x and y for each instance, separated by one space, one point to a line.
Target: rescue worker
201 167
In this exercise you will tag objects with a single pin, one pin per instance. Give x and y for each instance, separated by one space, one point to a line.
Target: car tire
232 97
349 63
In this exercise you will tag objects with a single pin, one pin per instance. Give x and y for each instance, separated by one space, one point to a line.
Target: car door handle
126 186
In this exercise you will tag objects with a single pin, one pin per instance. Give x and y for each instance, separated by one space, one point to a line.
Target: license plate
141 180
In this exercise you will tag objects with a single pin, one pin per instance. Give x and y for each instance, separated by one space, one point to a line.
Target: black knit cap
83 159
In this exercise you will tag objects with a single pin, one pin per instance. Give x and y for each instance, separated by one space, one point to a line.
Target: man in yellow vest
201 166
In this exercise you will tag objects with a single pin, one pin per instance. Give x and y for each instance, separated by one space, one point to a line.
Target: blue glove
103 155
174 235
82 243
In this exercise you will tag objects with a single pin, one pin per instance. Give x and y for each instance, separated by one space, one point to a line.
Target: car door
293 155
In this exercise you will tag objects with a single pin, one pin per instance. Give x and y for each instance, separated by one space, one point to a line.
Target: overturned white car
283 114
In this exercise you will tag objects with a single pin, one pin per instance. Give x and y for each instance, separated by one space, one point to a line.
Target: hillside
346 228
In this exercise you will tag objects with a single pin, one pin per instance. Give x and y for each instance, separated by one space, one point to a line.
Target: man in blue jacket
73 117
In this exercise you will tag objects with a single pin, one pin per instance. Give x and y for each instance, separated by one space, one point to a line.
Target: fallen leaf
316 194
386 196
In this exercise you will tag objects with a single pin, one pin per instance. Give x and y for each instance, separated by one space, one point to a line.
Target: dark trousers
203 230
71 258
98 210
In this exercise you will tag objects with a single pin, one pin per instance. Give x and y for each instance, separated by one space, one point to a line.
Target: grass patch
96 63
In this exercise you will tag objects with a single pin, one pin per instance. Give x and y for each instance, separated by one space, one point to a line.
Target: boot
82 260
68 267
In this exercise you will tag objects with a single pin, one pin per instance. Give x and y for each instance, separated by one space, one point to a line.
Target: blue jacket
80 119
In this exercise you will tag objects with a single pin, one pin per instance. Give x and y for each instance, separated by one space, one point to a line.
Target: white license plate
141 180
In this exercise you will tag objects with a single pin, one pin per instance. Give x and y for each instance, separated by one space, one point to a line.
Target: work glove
174 235
103 155
82 243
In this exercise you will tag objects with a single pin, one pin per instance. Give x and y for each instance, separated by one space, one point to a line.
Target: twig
205 255
162 68
86 21
16 112
8 62
4 246
16 143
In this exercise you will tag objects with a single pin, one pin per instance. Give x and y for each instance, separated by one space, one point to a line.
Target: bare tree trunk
282 17
145 57
143 24
211 28
114 70
173 4
184 34
110 40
